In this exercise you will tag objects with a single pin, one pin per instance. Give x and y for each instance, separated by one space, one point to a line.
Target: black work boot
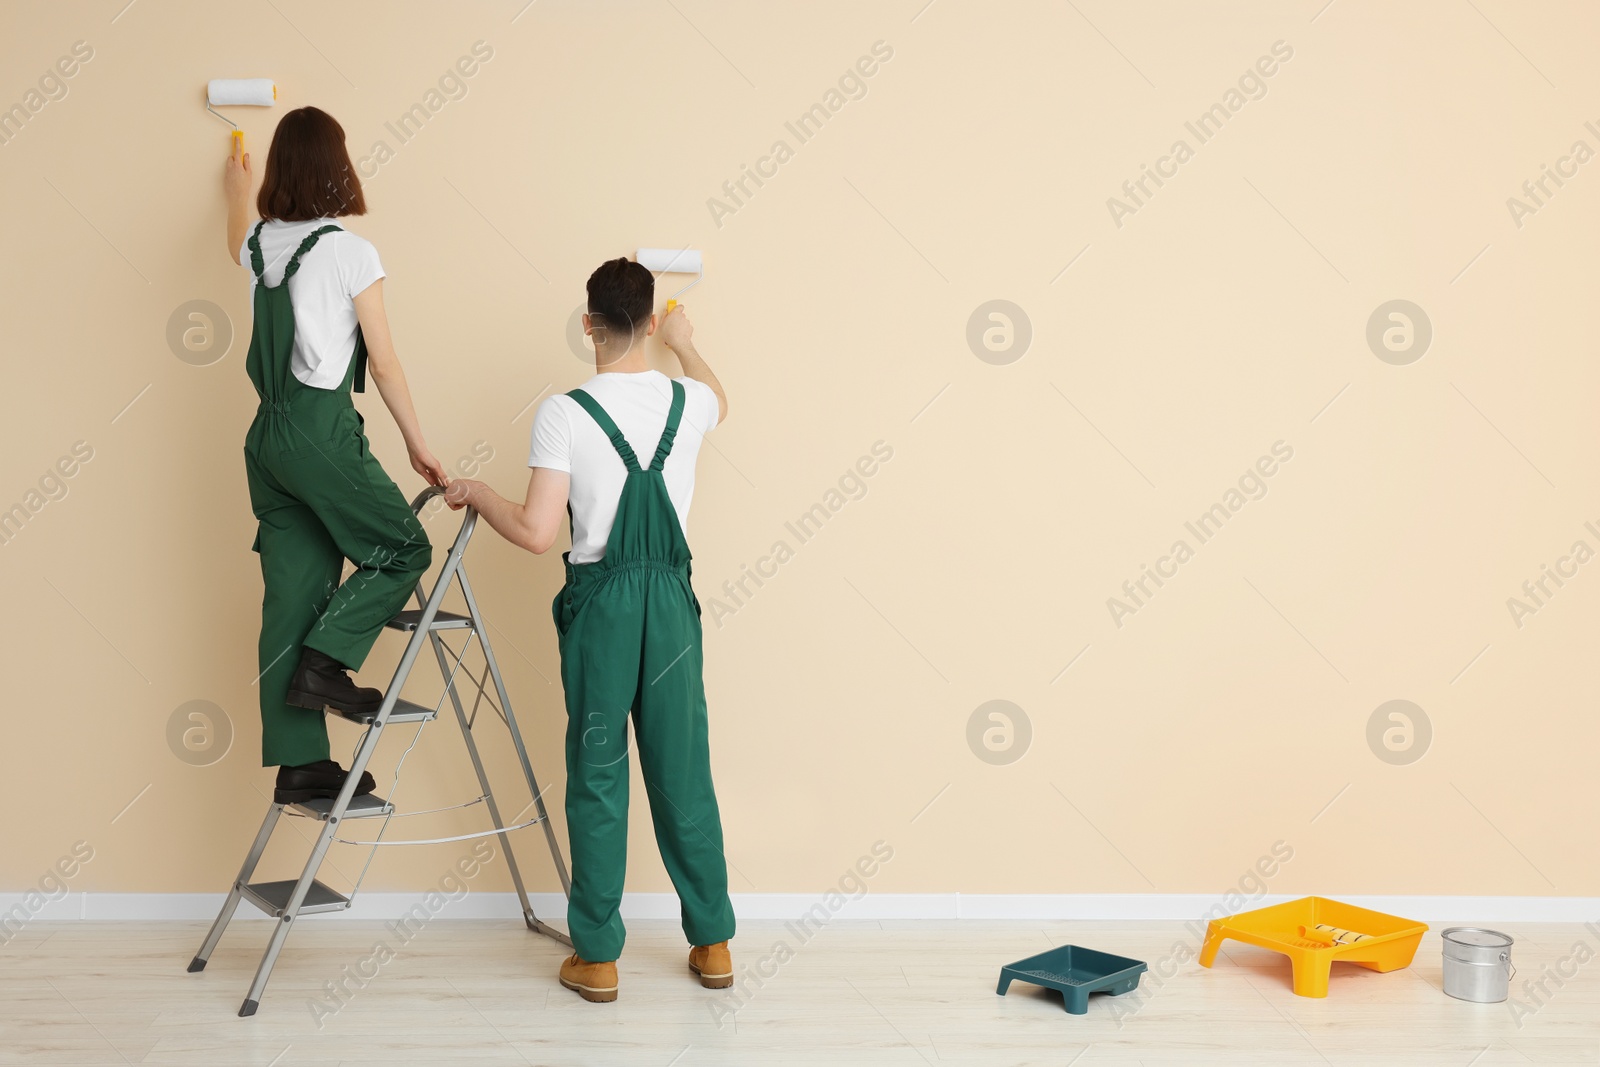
321 682
311 781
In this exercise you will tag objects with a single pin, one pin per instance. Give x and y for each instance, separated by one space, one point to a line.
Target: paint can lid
1477 937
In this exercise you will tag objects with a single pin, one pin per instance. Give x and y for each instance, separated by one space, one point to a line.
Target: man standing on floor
627 620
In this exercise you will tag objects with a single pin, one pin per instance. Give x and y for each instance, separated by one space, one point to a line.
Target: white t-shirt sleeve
359 265
700 407
552 435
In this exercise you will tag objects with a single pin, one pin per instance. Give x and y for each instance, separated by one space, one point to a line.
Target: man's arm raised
677 333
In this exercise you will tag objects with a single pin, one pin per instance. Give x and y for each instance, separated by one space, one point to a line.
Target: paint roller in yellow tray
1333 935
234 92
673 261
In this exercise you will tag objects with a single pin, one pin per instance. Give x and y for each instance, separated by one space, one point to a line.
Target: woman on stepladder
319 495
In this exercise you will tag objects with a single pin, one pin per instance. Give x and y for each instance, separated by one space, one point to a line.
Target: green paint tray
1076 972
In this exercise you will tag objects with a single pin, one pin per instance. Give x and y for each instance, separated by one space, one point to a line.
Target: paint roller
1333 935
235 92
672 261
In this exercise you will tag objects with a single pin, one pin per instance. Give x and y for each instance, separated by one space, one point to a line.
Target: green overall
320 498
629 628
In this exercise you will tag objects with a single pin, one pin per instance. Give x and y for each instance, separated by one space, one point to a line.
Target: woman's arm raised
236 181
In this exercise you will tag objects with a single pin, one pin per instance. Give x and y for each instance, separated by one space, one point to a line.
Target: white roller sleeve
677 260
258 92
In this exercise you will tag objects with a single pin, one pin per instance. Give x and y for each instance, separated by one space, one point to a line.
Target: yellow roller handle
670 305
238 144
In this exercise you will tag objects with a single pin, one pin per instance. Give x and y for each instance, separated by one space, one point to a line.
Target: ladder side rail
483 776
369 739
430 609
516 733
229 906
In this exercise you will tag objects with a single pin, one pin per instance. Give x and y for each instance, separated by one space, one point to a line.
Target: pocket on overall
558 611
688 583
314 448
567 609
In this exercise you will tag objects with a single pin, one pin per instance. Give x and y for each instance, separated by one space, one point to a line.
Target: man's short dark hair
621 291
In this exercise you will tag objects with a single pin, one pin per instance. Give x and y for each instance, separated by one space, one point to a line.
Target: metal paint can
1477 964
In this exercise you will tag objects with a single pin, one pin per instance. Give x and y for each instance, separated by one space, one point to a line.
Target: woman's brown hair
309 175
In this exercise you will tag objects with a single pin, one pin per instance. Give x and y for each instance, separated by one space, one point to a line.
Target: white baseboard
786 906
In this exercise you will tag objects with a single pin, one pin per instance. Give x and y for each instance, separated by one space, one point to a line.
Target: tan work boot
714 965
591 981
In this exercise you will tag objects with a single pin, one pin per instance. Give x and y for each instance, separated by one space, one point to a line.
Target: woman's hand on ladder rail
459 493
425 464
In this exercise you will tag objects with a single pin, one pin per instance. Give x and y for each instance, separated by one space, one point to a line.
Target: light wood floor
917 992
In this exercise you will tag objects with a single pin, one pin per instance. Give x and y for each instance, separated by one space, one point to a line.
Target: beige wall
1227 313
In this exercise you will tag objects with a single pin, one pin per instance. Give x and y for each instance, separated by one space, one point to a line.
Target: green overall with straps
320 498
629 629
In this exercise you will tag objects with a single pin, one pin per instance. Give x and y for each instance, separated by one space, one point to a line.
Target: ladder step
443 620
273 897
366 806
404 711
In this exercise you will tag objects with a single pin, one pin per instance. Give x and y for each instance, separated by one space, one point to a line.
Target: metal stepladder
289 899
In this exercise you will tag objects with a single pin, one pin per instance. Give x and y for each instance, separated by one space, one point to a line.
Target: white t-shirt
338 267
566 438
